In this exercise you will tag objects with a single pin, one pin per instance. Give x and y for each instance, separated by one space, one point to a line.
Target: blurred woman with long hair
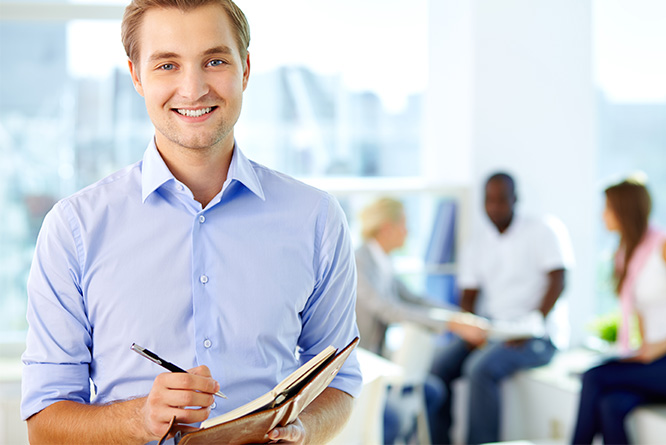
610 391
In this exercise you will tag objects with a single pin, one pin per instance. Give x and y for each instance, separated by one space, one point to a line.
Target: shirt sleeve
371 303
57 357
329 315
555 251
468 275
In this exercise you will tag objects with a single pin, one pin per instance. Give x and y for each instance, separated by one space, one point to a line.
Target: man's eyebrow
162 55
222 49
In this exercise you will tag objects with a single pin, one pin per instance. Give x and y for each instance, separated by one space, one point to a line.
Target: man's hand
472 334
472 329
293 433
187 396
138 420
319 422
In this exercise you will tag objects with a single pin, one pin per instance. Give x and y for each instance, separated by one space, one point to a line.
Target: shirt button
202 219
214 405
181 187
207 343
203 279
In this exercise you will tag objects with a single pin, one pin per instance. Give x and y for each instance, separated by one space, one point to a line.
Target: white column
518 96
448 101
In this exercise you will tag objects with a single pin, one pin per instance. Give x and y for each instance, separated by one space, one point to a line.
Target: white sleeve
555 247
468 274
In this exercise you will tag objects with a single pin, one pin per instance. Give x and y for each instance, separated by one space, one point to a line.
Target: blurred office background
418 99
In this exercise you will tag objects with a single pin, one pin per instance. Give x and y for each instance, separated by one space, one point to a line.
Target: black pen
163 363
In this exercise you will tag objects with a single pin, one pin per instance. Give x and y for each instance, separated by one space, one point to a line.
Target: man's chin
500 222
199 142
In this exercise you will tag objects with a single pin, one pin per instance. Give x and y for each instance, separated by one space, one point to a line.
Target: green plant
606 326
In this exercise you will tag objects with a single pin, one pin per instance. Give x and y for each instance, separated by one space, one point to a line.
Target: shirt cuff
349 379
43 384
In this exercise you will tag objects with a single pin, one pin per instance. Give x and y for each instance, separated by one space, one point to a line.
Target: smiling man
212 261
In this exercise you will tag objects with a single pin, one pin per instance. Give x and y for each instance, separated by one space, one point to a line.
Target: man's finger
289 434
188 381
201 370
188 398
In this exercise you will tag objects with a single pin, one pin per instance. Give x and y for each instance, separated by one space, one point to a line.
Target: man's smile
194 113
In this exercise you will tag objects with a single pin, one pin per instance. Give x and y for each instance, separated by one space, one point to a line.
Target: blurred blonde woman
383 299
610 391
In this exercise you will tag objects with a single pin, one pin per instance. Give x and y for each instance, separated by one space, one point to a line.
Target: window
334 89
338 95
68 117
631 110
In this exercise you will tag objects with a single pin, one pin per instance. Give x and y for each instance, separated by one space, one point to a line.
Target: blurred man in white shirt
512 273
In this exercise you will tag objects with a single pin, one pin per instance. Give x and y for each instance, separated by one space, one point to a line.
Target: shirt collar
491 229
155 172
241 170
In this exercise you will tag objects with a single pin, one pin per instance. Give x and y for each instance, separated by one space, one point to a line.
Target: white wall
511 88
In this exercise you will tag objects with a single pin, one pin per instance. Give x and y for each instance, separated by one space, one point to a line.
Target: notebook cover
253 428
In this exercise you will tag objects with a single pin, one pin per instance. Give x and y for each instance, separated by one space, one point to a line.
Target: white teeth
194 113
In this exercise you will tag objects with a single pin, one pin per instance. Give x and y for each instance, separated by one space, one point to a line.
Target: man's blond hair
135 11
378 213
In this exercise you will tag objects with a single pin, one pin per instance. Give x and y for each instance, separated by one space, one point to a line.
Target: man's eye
216 62
167 67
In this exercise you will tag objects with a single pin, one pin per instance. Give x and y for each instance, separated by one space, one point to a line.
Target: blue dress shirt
252 286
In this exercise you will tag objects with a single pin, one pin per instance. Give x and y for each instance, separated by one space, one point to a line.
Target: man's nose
194 84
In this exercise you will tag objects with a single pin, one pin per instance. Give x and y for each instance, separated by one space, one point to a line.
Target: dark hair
135 11
631 204
506 178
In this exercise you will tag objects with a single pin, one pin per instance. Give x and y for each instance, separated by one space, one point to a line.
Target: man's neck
203 170
501 228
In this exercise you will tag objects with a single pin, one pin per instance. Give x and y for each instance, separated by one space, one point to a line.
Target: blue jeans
485 368
610 391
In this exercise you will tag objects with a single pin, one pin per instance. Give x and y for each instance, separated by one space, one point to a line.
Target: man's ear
134 72
246 71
